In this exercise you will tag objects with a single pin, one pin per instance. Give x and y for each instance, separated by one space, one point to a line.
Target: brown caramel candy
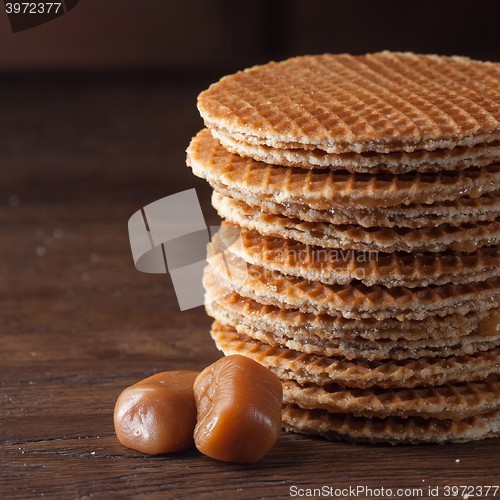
239 410
158 414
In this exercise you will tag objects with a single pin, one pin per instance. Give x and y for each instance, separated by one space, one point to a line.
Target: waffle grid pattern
366 194
379 102
330 266
323 190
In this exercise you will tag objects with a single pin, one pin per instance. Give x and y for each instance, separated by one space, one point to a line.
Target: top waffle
377 103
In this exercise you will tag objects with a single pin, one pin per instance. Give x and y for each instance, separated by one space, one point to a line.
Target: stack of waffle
366 191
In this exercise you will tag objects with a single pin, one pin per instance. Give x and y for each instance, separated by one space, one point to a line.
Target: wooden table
79 155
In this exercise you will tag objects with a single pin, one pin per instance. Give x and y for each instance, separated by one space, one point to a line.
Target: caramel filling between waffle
490 327
464 246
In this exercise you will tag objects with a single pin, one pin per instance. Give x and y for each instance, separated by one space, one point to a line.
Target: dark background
176 49
96 110
224 36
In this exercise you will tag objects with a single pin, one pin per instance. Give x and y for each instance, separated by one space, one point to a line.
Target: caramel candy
158 414
239 410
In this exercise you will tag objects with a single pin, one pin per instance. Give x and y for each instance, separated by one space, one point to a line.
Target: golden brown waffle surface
360 259
322 190
392 430
232 205
353 348
294 323
289 364
467 237
356 300
451 401
398 162
379 102
332 266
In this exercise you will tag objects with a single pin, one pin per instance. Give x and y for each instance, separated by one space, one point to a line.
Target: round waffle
332 266
452 401
394 430
380 102
322 190
466 237
355 300
355 348
289 364
456 212
398 162
309 327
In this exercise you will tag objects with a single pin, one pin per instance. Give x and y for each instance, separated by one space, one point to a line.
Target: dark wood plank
79 323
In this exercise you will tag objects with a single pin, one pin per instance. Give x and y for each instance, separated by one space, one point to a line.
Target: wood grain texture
79 323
